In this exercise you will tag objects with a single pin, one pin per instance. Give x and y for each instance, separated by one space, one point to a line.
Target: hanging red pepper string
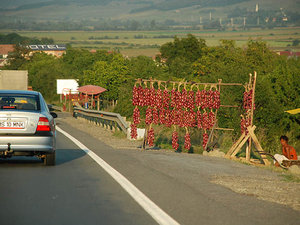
204 99
173 97
211 119
245 122
133 130
159 99
247 98
210 95
147 98
148 119
205 140
168 118
216 99
205 121
141 96
187 140
198 98
162 116
150 138
166 98
135 95
199 119
136 116
155 116
175 144
184 98
191 100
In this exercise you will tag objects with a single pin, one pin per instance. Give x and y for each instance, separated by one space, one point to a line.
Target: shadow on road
62 156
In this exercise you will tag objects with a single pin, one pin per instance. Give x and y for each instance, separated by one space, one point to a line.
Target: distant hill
161 11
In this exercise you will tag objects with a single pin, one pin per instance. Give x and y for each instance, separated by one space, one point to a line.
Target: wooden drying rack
250 136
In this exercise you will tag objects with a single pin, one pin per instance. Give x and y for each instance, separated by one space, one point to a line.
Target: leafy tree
109 75
79 60
18 58
143 66
190 48
43 70
14 38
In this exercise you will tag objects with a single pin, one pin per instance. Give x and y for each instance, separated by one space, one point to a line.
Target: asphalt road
78 191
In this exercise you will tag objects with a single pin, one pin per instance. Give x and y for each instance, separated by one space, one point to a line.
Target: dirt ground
265 188
283 188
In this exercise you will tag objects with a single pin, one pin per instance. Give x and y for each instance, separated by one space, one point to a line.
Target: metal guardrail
54 107
106 119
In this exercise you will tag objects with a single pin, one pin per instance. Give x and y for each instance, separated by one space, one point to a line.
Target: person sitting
289 153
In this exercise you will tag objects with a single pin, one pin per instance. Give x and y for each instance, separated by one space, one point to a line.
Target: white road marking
148 205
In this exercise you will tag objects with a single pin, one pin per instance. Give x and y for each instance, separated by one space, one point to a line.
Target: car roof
19 92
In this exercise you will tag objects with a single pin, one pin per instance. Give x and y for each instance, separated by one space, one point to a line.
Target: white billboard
65 85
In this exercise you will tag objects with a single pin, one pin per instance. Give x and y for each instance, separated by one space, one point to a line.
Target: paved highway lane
79 191
75 191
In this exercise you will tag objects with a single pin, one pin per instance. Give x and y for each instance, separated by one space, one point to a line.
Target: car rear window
19 102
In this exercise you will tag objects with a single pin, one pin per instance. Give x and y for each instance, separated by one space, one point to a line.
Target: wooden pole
65 102
145 138
92 101
70 100
211 135
249 145
98 103
86 100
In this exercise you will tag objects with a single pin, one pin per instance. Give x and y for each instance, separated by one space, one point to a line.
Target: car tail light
43 124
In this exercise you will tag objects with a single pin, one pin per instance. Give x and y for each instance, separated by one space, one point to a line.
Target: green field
133 43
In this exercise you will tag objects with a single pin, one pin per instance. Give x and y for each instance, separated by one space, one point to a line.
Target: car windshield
19 102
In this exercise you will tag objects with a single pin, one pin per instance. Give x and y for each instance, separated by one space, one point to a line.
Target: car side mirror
53 114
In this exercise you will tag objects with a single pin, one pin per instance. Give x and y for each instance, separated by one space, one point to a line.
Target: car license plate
12 125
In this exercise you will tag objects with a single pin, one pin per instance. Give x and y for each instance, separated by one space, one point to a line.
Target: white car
27 127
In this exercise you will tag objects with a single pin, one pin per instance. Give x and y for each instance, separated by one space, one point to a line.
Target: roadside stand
188 105
90 96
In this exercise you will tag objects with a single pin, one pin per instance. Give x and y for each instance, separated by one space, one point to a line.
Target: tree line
189 59
14 38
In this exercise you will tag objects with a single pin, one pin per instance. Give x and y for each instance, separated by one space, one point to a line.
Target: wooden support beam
240 145
231 150
229 106
210 135
258 146
220 128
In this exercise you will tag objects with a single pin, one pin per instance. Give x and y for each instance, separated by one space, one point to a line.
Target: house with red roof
4 52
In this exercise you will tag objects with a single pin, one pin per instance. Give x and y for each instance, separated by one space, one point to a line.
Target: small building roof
289 53
5 49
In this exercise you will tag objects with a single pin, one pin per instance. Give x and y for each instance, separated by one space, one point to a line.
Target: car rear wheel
49 160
